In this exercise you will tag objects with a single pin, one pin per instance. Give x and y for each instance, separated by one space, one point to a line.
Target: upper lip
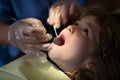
61 35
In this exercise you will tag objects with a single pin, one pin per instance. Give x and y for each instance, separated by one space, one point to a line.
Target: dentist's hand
29 36
63 13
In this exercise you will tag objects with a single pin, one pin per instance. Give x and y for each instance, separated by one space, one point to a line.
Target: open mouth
60 40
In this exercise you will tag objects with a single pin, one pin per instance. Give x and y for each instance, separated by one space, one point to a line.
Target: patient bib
31 68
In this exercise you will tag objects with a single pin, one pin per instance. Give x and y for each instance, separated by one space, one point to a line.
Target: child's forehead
88 17
88 20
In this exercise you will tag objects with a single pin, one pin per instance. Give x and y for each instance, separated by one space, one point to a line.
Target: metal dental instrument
56 40
13 19
55 31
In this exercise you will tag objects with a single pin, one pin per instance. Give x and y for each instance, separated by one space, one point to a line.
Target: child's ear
89 64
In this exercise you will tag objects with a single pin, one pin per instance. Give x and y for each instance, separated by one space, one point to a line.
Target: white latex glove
64 12
29 36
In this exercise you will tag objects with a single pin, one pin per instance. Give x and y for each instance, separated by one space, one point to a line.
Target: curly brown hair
107 62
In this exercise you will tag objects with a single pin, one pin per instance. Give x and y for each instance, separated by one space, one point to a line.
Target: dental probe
13 19
56 39
55 31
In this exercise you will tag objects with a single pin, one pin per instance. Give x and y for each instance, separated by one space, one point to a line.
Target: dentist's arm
4 27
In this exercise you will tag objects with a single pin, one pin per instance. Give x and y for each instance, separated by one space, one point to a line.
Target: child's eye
76 23
85 30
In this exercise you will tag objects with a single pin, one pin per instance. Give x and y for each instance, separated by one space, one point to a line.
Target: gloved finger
34 39
19 36
54 17
44 47
16 29
45 38
69 12
36 26
38 32
42 37
64 13
31 35
74 12
38 39
57 23
28 36
12 36
51 17
32 22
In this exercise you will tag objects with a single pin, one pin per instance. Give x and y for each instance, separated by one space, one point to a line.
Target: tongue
59 41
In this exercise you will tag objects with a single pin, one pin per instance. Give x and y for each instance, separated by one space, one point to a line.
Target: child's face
79 43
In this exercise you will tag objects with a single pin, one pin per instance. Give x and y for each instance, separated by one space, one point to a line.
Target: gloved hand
29 36
63 12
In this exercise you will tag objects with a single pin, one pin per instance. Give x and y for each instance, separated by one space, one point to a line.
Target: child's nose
71 28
